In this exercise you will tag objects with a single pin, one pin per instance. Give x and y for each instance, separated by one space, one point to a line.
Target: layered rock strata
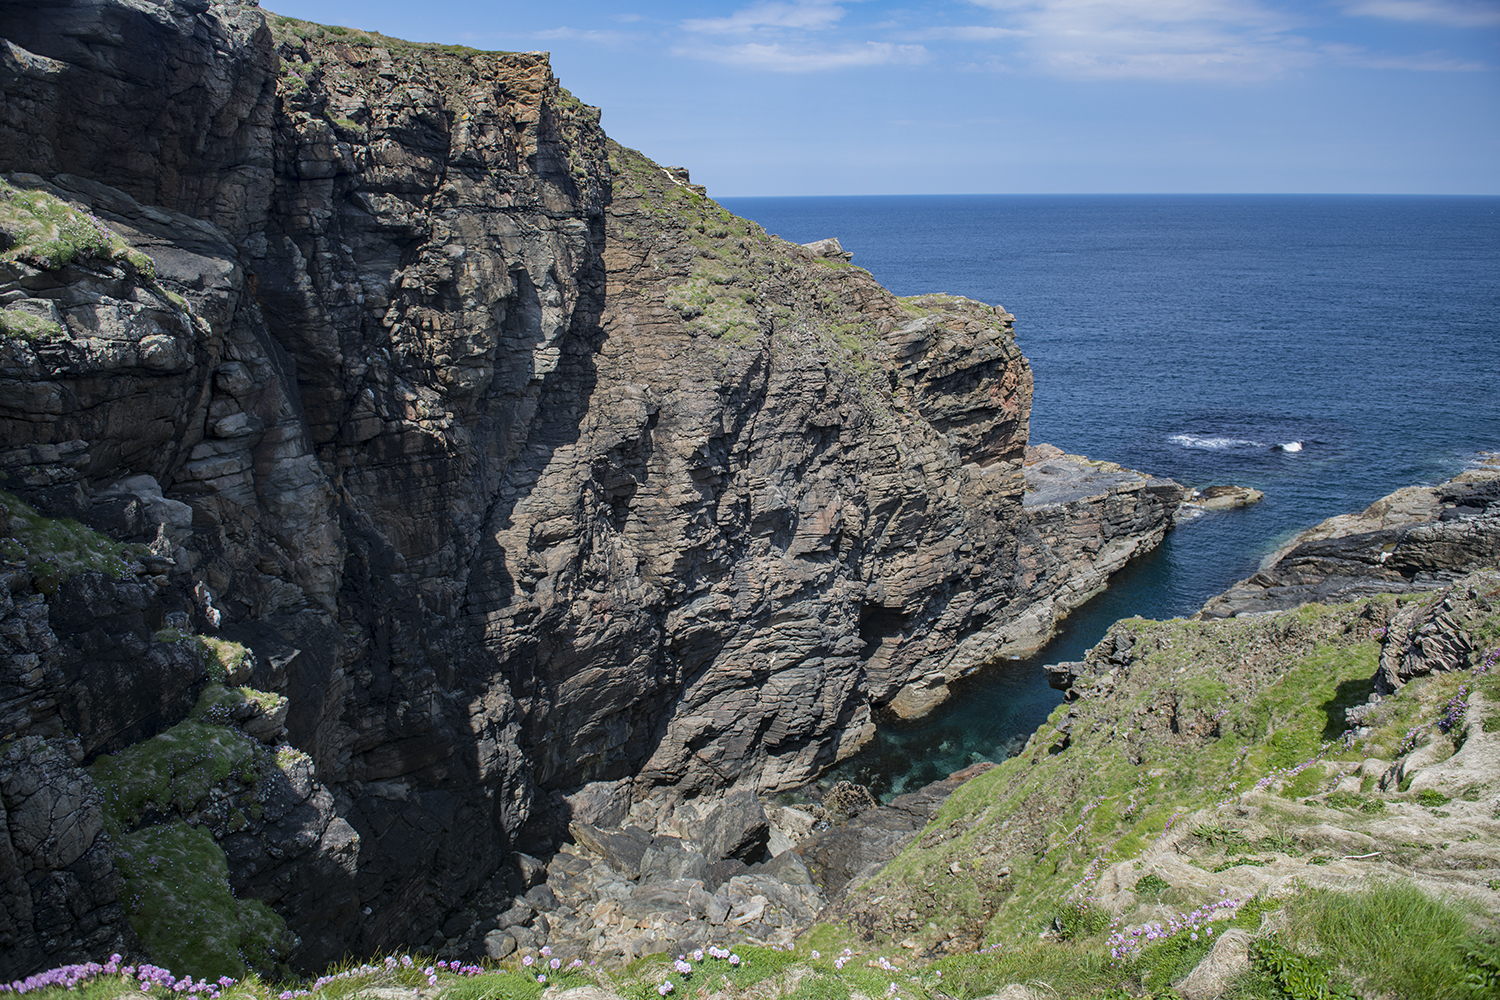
1417 539
1084 519
519 466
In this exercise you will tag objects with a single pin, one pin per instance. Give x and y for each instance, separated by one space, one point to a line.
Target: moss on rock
173 772
226 659
164 799
174 870
54 549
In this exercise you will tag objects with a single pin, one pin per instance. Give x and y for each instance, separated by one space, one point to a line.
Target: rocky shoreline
1417 539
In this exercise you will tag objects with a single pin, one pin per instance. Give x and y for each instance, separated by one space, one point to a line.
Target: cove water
1324 349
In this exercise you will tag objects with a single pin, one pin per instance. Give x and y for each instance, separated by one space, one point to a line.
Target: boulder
735 826
846 800
1225 497
499 944
829 249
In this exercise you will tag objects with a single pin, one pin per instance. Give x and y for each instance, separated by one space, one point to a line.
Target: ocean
1324 349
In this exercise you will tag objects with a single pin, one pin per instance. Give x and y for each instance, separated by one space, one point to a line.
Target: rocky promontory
451 478
1417 539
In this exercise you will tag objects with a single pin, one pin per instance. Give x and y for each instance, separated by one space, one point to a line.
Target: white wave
1212 443
1290 446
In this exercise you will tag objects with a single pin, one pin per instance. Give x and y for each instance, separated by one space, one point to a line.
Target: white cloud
811 14
1453 13
585 35
967 33
1155 39
795 59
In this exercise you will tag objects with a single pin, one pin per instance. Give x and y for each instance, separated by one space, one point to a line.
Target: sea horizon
722 199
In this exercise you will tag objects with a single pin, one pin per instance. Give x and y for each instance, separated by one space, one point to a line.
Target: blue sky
800 97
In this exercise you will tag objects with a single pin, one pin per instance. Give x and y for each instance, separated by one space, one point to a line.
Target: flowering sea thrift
149 978
1124 944
1282 773
1454 711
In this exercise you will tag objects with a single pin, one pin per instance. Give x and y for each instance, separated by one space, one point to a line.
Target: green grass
1392 937
224 657
55 549
50 233
1065 970
1354 803
174 869
17 324
173 772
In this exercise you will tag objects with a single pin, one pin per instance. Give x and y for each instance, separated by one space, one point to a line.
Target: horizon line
1130 194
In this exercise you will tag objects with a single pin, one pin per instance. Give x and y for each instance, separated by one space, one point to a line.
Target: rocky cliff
486 468
1239 763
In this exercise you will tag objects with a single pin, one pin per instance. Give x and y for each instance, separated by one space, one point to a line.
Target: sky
828 97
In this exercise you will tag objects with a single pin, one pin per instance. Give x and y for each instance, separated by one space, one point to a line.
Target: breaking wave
1205 442
1212 443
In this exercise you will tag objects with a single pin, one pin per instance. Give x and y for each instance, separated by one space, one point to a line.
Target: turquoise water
1189 336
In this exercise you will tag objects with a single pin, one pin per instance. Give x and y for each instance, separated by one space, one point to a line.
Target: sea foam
1212 443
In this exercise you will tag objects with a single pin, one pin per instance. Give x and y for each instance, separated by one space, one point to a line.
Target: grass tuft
49 233
1393 937
53 549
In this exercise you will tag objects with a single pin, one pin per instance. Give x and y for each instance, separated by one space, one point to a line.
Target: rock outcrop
1417 539
528 476
1224 497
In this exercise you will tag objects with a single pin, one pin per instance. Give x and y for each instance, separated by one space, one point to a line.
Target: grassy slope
1216 765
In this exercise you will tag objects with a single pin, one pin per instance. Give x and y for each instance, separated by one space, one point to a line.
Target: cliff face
519 465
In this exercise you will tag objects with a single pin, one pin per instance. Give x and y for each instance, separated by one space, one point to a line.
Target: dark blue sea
1189 336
